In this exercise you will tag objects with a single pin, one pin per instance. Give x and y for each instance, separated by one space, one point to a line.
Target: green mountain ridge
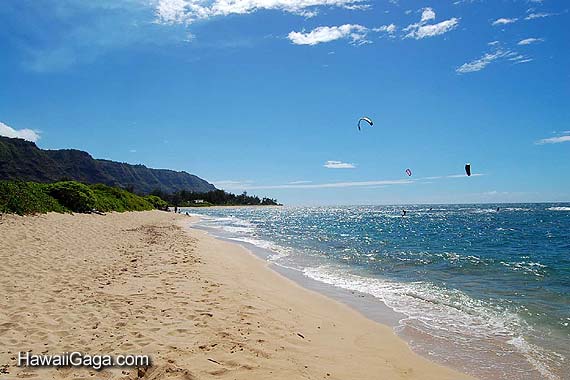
23 160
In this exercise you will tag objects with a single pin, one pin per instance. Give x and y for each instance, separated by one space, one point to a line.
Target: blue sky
264 95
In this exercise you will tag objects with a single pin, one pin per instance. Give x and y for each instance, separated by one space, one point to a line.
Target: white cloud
554 140
434 30
171 11
504 21
338 165
390 29
427 15
26 134
355 33
422 29
481 63
188 11
528 41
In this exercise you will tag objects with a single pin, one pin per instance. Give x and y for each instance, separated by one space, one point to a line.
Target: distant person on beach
175 209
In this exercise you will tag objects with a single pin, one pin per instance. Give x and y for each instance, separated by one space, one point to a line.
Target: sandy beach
202 308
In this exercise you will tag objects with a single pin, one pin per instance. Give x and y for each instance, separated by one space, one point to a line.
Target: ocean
482 290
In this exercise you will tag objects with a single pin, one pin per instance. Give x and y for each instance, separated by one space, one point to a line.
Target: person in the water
403 212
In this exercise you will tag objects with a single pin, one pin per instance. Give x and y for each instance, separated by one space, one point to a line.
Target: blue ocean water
486 291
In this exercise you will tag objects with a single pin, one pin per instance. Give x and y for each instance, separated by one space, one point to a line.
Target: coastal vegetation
20 197
216 197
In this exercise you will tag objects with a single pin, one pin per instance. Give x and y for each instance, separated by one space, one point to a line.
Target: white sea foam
241 230
446 314
535 355
437 307
558 208
537 269
277 252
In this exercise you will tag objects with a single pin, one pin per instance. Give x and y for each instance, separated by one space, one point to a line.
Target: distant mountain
23 160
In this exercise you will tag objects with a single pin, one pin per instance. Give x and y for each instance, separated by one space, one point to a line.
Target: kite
366 119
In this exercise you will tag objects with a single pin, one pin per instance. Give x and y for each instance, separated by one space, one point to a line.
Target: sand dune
141 283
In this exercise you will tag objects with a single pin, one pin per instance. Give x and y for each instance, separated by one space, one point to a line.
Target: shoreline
200 306
365 304
374 309
456 312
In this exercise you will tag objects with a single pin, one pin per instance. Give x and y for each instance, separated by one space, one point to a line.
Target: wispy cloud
76 32
355 33
504 21
232 184
479 63
490 57
528 41
237 185
463 175
390 29
554 140
533 16
188 11
331 185
298 182
338 165
26 134
422 29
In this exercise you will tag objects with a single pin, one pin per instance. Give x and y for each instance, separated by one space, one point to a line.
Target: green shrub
109 198
22 198
74 196
156 202
30 197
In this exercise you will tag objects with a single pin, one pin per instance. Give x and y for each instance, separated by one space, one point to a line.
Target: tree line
186 198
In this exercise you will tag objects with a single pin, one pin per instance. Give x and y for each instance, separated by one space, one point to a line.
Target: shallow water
482 290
